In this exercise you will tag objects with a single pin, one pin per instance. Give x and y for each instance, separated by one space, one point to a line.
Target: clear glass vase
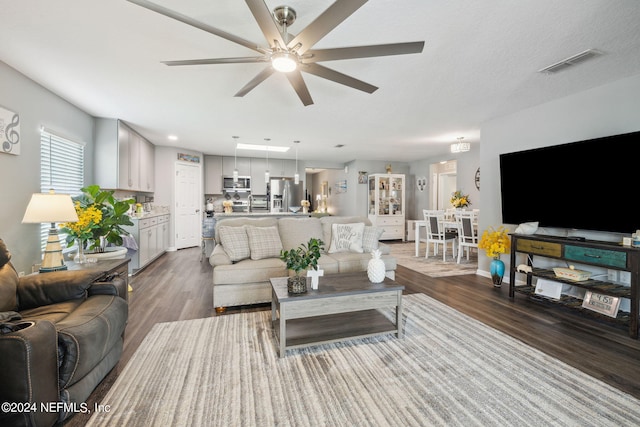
80 257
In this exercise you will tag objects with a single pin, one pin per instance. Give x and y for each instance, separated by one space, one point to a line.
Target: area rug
449 370
405 254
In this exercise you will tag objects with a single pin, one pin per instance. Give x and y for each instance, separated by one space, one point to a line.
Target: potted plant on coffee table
302 258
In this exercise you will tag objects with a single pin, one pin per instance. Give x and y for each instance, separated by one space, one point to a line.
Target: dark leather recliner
60 335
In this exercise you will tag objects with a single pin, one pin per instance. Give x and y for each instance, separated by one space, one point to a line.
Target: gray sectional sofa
247 252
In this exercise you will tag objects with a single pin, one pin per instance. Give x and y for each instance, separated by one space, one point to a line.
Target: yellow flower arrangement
495 242
89 218
227 203
459 200
304 203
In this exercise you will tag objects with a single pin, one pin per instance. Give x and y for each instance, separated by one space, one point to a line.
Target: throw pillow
264 242
346 237
235 242
370 238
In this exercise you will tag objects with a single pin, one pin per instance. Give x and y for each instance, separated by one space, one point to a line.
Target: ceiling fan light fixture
283 62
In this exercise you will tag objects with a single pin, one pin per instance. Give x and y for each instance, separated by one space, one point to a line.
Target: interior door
188 200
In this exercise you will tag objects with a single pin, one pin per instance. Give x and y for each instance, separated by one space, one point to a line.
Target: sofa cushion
370 238
350 262
328 221
243 220
235 242
88 334
264 242
249 271
296 231
346 237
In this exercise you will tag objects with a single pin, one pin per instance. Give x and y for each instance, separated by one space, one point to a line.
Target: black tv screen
585 185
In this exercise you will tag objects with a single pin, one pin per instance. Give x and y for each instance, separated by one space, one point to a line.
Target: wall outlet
612 275
625 277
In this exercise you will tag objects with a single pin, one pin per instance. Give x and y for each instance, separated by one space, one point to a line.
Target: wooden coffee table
345 306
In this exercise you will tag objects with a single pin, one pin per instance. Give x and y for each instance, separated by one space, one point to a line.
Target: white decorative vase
375 268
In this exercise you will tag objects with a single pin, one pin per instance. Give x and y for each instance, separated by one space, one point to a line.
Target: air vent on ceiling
572 60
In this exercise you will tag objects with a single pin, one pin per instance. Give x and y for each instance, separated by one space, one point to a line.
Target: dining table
449 224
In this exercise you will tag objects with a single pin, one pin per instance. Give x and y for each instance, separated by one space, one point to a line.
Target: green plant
303 257
108 225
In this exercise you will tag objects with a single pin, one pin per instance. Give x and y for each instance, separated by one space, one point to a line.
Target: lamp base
50 269
53 259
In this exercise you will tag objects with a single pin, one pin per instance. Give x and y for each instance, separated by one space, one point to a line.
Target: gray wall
20 175
605 110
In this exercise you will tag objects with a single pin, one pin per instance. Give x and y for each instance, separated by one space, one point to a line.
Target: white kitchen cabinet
147 165
243 164
213 174
124 160
258 184
152 235
387 205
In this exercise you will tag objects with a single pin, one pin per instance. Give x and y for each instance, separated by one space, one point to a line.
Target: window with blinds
61 169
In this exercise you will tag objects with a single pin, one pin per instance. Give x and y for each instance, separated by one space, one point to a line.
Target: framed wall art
9 131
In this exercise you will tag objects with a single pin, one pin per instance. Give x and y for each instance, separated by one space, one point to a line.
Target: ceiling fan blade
296 80
329 74
323 24
262 76
241 60
265 20
197 24
364 51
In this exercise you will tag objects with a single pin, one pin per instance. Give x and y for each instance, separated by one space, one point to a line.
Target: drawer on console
539 248
604 257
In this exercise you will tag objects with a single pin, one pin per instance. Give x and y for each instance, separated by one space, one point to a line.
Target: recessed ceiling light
172 138
277 148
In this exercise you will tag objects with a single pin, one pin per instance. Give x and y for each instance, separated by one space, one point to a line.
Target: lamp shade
50 207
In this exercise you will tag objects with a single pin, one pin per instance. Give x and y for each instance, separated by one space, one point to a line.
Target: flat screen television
586 185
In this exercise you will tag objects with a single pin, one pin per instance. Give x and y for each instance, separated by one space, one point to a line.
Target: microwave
243 184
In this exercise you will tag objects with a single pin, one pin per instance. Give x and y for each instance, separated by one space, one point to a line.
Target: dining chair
467 232
437 234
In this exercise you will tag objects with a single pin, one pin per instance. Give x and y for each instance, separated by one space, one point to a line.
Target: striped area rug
449 370
434 266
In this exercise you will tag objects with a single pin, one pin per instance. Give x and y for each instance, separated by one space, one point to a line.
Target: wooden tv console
609 255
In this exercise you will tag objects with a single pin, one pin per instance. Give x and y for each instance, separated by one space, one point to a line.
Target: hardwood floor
178 287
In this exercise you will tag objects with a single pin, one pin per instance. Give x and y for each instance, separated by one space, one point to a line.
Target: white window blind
61 169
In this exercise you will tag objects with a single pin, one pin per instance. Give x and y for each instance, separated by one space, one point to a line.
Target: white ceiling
480 61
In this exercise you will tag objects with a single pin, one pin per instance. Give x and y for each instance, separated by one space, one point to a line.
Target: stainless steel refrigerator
285 194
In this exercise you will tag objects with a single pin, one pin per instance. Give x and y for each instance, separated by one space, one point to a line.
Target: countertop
276 214
148 215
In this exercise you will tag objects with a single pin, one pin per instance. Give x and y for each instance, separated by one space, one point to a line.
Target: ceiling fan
291 54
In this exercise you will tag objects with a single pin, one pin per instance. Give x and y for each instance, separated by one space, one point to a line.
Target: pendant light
266 172
235 169
296 176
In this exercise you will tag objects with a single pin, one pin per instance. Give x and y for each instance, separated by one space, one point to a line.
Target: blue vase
497 271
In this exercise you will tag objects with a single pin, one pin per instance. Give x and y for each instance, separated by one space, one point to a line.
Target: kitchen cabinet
147 165
280 168
152 235
386 204
124 160
243 164
258 184
213 174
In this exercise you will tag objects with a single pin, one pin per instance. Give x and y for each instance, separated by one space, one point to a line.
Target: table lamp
51 207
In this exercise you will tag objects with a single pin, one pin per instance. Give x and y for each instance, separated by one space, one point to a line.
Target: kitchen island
220 215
